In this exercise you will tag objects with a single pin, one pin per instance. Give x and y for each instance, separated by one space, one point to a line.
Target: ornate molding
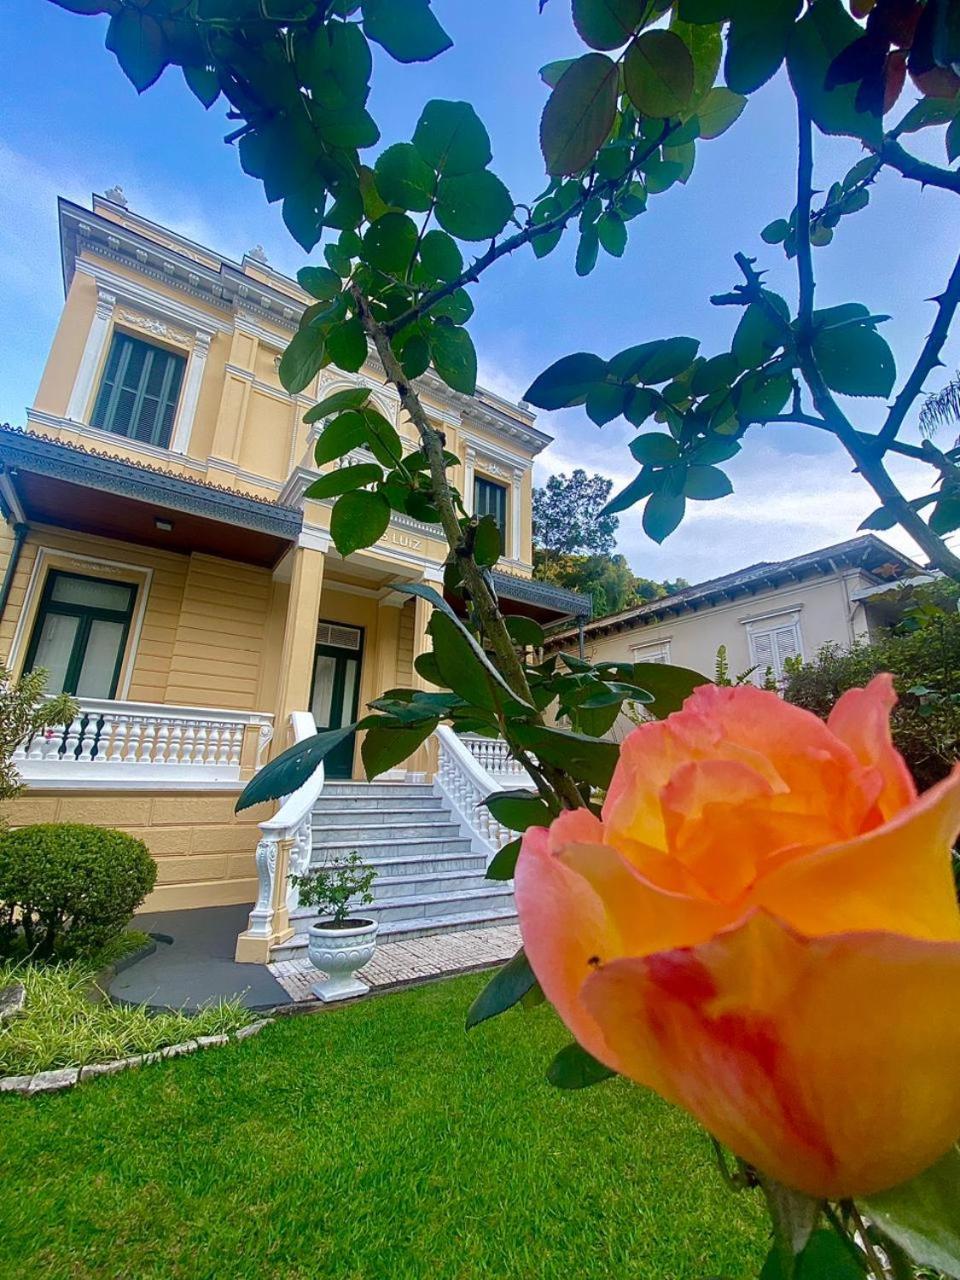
158 329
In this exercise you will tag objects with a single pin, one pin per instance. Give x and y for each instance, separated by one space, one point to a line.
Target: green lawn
376 1142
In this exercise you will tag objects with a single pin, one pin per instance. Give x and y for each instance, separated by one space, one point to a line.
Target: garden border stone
60 1078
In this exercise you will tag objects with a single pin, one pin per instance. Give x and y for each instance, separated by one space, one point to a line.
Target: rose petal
829 1063
861 719
898 877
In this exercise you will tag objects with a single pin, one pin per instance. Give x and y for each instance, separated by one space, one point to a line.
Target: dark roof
867 552
510 586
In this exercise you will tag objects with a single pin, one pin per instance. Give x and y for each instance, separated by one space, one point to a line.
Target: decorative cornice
545 594
106 472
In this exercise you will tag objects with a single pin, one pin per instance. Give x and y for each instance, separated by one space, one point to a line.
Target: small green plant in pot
339 943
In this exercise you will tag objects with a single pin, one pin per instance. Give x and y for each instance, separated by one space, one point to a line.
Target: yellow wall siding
69 341
203 850
405 652
218 647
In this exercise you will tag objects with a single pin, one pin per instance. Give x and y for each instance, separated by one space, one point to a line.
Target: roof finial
115 196
258 254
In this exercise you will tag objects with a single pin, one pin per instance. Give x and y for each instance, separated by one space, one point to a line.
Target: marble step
328 851
491 896
330 833
374 805
411 864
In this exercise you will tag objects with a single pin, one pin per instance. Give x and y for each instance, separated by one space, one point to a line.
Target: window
138 394
490 499
656 652
80 634
771 646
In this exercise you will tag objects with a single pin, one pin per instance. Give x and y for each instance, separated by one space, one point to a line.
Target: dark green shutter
139 392
490 499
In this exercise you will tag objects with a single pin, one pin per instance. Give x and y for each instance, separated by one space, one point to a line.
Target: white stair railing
493 755
285 847
465 783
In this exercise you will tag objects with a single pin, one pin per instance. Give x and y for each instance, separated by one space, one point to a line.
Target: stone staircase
429 879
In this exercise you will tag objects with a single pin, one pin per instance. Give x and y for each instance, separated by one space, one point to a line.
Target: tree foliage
567 515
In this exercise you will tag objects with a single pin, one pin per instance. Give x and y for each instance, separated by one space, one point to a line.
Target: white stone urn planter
338 951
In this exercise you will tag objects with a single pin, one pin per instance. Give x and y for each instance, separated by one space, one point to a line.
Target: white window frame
652 651
769 627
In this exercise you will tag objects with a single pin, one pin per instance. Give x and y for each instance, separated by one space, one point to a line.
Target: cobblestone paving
407 961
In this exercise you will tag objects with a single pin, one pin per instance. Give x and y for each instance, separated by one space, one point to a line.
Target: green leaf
525 631
776 232
817 39
454 357
587 251
923 1215
757 42
574 1068
704 484
344 433
456 307
334 62
706 49
824 1257
952 139
457 662
612 233
707 10
203 83
757 336
579 114
382 438
428 593
407 29
302 360
662 514
567 381
414 355
640 403
855 360
718 111
518 809
584 758
440 257
760 396
719 372
388 243
669 686
945 516
640 486
654 362
451 138
658 74
347 345
504 863
137 40
344 479
551 72
605 401
319 282
607 24
384 747
487 542
404 178
506 988
350 398
358 519
473 206
290 770
656 448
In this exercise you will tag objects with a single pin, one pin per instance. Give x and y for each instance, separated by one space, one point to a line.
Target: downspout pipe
20 532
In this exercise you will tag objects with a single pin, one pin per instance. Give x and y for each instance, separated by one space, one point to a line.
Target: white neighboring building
763 614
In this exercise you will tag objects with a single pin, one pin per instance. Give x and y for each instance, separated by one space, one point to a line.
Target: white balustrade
285 848
143 742
493 755
464 778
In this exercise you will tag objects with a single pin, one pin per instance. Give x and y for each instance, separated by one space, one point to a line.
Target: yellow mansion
159 560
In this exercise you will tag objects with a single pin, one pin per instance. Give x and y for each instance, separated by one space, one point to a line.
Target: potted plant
339 944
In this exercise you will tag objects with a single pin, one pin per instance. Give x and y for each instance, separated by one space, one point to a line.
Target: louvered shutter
139 392
764 653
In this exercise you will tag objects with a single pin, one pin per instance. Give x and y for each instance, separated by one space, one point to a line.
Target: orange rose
763 928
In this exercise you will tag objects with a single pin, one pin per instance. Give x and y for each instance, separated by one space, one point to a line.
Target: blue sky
73 124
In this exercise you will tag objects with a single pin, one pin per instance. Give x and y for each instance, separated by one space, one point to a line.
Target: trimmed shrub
68 889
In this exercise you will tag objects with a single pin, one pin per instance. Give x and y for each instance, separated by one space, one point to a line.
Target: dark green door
336 691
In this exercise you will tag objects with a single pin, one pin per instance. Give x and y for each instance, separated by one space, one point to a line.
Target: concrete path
197 968
396 963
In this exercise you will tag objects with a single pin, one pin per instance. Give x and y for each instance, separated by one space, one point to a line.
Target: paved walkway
395 963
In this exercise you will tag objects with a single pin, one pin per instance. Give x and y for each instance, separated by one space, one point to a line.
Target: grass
373 1142
67 1021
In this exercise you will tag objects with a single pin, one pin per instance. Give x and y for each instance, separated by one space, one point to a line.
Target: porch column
191 391
299 639
516 498
469 465
92 357
423 759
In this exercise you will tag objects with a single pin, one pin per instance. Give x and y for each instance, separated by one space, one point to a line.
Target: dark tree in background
567 516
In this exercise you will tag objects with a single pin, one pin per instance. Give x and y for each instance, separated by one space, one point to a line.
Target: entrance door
336 689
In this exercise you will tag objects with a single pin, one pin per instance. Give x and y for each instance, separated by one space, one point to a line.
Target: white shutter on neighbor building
771 647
